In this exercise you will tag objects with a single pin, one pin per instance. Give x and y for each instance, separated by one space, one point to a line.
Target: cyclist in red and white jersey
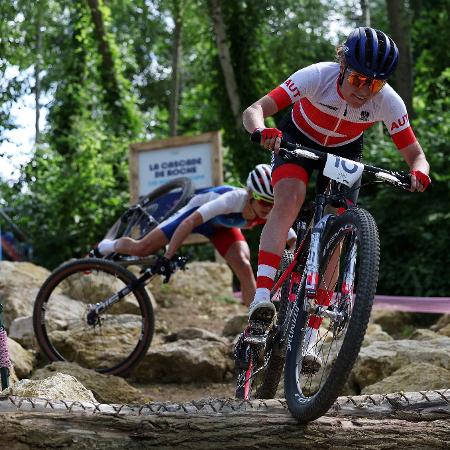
333 104
217 213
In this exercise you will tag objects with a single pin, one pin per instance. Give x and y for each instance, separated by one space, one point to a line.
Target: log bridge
413 420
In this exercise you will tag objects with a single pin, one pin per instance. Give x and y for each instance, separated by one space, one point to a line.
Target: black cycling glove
165 267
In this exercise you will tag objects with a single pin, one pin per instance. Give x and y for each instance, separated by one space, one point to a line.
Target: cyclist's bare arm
416 160
182 232
253 116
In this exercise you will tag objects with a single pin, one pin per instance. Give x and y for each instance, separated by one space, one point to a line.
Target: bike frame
341 171
310 273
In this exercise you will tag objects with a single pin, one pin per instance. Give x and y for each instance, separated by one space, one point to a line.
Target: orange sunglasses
358 80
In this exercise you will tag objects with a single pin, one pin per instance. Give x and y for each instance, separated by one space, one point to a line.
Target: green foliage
69 203
110 85
76 184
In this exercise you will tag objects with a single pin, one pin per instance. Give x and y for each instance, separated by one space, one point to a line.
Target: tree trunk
176 65
412 420
365 8
37 69
226 63
400 21
111 86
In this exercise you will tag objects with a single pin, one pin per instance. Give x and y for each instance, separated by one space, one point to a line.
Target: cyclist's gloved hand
423 178
269 138
164 266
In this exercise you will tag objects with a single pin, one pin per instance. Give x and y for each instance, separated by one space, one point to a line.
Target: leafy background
106 67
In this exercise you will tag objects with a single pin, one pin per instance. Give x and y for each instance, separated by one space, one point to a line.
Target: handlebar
289 151
166 267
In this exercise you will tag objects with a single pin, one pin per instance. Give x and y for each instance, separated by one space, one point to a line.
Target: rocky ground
197 319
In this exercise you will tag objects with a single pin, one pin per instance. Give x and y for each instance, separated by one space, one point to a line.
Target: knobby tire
74 272
307 408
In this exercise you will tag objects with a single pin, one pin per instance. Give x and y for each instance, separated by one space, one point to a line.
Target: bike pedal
256 339
257 332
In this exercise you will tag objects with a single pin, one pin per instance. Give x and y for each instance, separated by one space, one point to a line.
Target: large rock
106 345
381 359
19 285
186 361
411 378
401 324
191 333
106 388
58 387
235 325
442 326
375 333
22 360
392 322
443 321
21 330
423 334
201 279
63 312
96 287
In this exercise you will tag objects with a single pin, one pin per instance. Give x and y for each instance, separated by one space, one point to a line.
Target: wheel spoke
112 341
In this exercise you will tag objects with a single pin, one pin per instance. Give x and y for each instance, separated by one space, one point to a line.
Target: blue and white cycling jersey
218 206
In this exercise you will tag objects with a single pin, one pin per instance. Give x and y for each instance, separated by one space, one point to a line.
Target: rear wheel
67 329
275 348
152 209
329 331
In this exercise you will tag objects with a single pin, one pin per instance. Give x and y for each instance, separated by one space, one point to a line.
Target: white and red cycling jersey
321 113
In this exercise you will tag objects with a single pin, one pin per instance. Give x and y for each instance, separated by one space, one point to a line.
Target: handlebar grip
256 137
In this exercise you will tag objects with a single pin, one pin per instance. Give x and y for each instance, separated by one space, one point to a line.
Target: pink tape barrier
413 304
402 303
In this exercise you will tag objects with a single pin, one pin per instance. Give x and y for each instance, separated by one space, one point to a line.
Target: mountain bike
323 293
142 217
98 314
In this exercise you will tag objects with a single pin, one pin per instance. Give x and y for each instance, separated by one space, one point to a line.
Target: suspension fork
312 263
349 273
101 307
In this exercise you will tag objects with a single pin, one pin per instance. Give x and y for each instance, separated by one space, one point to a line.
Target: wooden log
411 420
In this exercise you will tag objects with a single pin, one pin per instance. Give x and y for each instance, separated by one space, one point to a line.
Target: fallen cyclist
218 214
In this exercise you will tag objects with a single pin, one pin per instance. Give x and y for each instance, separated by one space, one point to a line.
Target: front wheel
328 330
112 341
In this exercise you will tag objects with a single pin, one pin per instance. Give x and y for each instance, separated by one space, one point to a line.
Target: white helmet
259 181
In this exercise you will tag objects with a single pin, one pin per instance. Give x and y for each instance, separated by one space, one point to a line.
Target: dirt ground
185 392
202 298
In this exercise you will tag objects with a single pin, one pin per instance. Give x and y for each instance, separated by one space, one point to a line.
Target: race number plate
343 170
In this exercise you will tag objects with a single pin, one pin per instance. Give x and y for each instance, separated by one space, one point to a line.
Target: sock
323 298
267 268
310 340
106 247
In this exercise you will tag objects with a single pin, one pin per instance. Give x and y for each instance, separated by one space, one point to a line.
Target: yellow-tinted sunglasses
264 201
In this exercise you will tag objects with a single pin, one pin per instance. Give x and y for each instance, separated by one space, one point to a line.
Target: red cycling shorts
223 238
